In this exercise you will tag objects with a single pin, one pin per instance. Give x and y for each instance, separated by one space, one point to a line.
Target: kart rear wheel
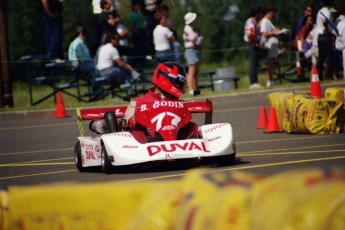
78 157
111 121
107 167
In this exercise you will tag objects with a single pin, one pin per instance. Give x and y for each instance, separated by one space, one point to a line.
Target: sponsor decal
98 151
90 155
172 147
213 139
213 128
163 103
168 127
130 146
120 134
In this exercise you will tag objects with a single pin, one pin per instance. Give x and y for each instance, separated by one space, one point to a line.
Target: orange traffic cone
272 124
60 111
315 87
262 120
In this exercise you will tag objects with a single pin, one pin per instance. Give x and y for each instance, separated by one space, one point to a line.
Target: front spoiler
123 149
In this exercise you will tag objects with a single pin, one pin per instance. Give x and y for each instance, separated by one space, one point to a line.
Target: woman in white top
269 41
162 38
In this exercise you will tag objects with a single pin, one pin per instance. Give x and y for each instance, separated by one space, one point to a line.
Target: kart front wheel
107 167
224 160
78 157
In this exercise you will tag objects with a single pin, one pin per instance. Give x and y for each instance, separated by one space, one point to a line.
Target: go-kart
114 146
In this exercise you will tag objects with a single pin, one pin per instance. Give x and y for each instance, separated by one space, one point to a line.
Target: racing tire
106 165
78 158
224 160
111 121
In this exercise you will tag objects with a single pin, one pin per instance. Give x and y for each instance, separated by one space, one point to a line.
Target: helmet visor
177 80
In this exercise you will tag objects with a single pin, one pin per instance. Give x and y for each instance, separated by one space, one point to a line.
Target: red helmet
170 77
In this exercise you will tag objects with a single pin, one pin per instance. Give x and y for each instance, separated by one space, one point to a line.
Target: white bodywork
217 139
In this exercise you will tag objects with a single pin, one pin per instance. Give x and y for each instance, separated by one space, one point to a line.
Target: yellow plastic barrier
203 199
336 94
300 199
97 206
307 115
201 186
3 210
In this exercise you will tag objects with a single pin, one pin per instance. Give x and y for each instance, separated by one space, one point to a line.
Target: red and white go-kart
117 147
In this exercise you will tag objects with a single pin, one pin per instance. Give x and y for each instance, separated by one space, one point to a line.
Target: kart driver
169 79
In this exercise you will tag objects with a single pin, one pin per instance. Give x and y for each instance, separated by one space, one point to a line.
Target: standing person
192 41
162 38
269 41
138 31
108 19
110 64
307 11
252 39
79 55
149 9
123 46
324 41
340 40
306 27
53 28
175 45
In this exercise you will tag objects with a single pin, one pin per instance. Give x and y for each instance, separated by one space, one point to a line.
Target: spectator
340 40
162 37
269 41
138 30
79 55
192 42
149 9
308 47
110 64
175 45
108 19
324 41
53 28
123 46
308 11
252 39
305 29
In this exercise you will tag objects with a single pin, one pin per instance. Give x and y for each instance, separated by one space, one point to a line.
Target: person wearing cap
192 41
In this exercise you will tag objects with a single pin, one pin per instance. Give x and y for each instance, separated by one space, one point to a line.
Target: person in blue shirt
79 55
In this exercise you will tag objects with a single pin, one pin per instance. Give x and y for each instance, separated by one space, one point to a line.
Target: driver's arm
130 112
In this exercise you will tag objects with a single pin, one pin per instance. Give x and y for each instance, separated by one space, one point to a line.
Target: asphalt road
37 148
